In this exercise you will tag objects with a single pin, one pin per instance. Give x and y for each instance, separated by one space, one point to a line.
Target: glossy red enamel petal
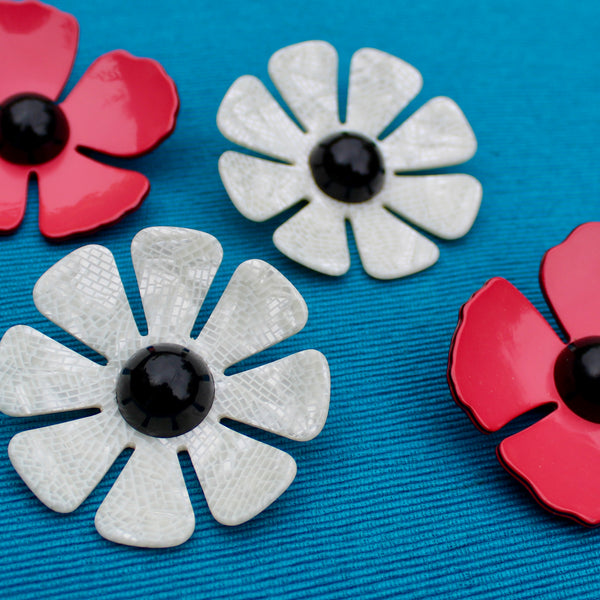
122 106
502 356
78 194
37 48
570 278
13 195
558 459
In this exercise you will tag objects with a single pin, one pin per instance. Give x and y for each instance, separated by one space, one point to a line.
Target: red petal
502 357
570 278
13 195
558 458
122 106
78 194
37 48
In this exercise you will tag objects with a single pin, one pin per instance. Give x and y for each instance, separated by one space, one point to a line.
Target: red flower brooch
123 106
506 360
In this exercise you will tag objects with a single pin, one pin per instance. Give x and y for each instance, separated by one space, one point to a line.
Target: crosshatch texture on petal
37 48
502 357
306 76
258 308
381 85
570 279
13 185
108 110
289 397
148 505
83 294
559 459
239 476
175 268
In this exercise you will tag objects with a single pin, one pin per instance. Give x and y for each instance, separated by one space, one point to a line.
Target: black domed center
577 378
347 167
165 390
33 129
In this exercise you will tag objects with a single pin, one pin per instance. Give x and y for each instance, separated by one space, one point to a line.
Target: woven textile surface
400 496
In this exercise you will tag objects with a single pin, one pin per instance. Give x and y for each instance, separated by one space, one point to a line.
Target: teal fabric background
400 496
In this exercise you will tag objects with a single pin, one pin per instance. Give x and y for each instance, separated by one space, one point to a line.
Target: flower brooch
164 392
506 360
343 169
123 106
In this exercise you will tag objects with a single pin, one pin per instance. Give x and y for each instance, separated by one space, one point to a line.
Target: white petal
240 477
149 504
250 116
289 397
83 294
259 308
445 205
63 463
261 189
175 268
306 75
388 247
381 85
316 238
39 375
437 135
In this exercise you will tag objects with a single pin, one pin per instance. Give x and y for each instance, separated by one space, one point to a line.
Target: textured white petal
306 75
250 116
437 135
259 308
316 238
175 268
445 205
149 504
83 294
39 375
240 477
381 85
63 463
289 397
261 189
388 247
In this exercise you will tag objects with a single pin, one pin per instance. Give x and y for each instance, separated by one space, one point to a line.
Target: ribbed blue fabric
399 496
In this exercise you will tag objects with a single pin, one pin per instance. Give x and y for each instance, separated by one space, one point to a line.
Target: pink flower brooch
506 360
123 106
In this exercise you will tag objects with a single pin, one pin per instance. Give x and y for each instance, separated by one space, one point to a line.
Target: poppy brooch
343 169
506 360
162 393
123 106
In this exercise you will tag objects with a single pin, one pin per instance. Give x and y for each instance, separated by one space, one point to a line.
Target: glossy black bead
577 378
33 129
165 390
347 167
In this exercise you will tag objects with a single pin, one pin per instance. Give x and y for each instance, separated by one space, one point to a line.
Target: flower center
165 390
33 129
347 167
577 378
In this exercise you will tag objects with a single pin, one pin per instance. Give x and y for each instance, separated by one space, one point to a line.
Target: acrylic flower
164 392
123 106
506 360
343 169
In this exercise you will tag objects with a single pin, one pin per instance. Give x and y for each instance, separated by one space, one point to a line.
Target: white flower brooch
344 170
161 393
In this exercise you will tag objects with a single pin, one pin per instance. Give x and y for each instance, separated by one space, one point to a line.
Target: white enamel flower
161 393
344 170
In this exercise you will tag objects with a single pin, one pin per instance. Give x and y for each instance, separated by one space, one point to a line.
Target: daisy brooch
507 360
342 169
162 393
123 106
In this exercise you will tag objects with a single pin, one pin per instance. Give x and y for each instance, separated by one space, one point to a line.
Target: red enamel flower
123 106
506 360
